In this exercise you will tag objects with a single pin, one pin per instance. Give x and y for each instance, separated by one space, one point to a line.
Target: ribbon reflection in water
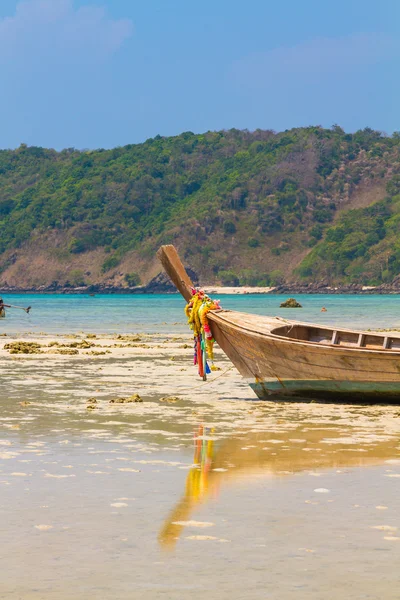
197 487
197 481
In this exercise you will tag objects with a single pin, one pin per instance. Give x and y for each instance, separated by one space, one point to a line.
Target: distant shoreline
212 290
283 289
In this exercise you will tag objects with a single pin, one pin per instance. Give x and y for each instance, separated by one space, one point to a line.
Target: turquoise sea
154 313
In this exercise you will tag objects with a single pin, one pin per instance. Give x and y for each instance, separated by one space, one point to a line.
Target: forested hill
254 208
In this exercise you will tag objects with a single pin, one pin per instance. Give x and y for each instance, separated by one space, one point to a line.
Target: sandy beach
221 290
184 483
151 363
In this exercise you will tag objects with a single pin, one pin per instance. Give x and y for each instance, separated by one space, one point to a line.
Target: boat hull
329 391
279 369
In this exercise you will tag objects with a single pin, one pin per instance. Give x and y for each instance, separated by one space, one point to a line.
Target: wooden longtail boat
282 359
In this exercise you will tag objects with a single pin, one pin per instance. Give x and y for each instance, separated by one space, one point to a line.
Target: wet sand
199 489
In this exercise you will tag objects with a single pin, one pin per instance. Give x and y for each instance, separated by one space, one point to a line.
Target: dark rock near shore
324 288
161 283
291 303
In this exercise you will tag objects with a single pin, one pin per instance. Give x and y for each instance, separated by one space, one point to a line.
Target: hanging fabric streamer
196 312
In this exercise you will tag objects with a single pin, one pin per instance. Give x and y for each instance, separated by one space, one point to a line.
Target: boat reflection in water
270 454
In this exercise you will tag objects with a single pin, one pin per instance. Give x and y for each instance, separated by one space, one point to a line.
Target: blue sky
102 73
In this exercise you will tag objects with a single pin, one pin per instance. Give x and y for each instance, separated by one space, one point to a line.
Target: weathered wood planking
174 268
278 365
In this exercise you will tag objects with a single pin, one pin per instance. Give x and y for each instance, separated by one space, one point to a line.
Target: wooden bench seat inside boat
352 339
315 334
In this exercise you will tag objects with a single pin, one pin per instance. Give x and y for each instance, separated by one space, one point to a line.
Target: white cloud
318 57
46 29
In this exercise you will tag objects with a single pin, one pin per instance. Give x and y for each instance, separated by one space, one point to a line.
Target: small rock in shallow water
291 303
84 344
170 399
133 398
23 348
129 338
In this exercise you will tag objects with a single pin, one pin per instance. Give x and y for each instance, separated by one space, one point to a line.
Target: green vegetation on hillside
364 244
243 207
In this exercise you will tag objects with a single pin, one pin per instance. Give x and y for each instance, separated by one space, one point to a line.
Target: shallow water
154 313
210 495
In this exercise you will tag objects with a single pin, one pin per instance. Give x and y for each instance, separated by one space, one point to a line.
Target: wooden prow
174 268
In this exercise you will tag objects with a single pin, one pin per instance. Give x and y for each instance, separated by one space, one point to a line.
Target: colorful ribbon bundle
196 312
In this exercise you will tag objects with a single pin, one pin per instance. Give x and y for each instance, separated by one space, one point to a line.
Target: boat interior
312 333
338 337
